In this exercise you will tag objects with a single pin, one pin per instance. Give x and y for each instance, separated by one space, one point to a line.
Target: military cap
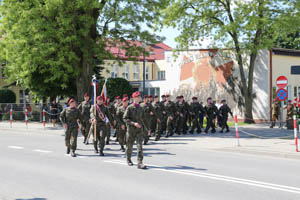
86 95
150 96
117 97
125 99
194 98
156 96
209 98
136 94
167 95
163 96
223 101
145 96
181 96
71 101
125 95
178 97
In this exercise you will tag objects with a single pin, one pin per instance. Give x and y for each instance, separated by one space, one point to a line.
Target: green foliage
50 45
292 41
116 87
7 96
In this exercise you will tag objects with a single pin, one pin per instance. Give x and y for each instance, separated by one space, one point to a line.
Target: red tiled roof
156 51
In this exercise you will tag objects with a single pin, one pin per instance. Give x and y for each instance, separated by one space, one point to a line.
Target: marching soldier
117 103
223 112
133 117
170 110
164 116
187 108
121 123
112 111
289 115
195 109
201 116
98 115
159 114
181 116
85 108
153 117
149 111
69 118
275 110
210 116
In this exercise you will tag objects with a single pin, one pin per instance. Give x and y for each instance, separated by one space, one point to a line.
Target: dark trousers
210 124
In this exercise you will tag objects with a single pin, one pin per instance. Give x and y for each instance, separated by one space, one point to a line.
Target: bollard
26 118
295 133
44 119
236 129
10 118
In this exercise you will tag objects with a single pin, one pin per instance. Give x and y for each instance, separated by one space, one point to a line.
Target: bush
7 96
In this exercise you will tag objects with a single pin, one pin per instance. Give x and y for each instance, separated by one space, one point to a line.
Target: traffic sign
281 94
281 82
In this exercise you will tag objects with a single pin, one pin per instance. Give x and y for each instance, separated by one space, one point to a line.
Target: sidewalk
257 139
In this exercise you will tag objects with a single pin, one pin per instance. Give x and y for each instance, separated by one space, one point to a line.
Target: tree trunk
83 80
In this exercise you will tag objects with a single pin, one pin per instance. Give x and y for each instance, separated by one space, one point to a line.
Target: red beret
86 95
156 96
125 99
167 95
136 94
99 97
150 96
117 97
146 96
71 101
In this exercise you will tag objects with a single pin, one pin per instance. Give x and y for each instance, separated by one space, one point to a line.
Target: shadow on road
177 167
33 199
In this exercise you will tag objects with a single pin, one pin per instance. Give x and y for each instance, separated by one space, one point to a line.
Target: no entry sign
281 82
281 94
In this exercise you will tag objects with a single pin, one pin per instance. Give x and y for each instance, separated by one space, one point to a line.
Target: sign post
281 94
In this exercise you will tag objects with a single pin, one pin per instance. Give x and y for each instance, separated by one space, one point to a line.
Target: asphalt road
34 166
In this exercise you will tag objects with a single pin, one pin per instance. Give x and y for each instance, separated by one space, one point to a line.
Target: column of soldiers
138 121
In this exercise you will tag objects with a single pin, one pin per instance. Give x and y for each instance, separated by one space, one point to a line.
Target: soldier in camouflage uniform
149 111
170 110
69 117
133 117
158 109
153 117
275 110
210 116
289 115
164 114
98 115
85 108
117 103
223 112
181 116
121 125
185 120
112 111
195 109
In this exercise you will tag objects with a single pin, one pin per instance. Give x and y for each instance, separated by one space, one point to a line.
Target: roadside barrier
295 132
26 118
10 118
44 119
236 129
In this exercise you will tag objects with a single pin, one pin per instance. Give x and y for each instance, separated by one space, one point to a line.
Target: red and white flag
296 102
104 92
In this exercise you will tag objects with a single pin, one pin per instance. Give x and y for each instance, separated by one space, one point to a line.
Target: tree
292 41
7 96
51 45
246 26
116 87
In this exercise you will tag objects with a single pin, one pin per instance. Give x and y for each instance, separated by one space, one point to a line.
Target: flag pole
95 93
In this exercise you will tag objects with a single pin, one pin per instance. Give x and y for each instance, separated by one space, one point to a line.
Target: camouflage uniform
210 116
70 116
164 117
112 111
158 109
85 108
170 113
134 114
181 117
275 113
289 116
148 112
120 121
195 109
101 128
223 112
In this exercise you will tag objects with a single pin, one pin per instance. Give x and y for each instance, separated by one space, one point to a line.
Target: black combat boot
122 148
68 150
141 166
199 131
129 162
73 154
96 148
101 153
191 131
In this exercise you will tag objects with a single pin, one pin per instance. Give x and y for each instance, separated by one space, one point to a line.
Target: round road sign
281 94
281 82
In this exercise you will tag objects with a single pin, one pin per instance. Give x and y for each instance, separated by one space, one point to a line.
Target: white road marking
42 151
221 178
15 147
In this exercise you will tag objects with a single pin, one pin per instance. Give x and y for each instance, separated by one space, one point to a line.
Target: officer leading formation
136 121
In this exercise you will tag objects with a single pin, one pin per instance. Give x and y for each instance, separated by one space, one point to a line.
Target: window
161 75
147 73
296 92
295 70
125 73
115 71
152 91
136 72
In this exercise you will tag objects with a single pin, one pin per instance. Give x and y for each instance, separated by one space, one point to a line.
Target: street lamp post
144 69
